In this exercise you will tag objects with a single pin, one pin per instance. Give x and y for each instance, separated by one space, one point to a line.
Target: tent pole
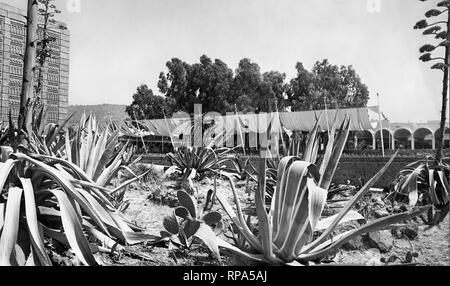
381 125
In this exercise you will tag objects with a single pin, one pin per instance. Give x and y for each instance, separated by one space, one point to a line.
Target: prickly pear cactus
191 224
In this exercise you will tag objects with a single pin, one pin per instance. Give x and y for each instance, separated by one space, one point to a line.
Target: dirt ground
147 210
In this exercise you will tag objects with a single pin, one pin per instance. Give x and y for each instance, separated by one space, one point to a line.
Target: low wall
355 169
359 170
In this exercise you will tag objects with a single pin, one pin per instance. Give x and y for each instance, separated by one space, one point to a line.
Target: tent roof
360 119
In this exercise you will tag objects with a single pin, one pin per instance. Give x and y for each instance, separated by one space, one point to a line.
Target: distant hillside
101 111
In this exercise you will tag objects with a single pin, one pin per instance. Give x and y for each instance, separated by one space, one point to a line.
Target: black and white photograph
224 137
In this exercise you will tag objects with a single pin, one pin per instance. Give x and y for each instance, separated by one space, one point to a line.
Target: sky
117 45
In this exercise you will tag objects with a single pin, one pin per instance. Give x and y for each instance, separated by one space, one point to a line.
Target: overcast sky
117 45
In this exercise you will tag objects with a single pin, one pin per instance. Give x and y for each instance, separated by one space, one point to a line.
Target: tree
354 93
272 92
443 64
146 105
174 85
300 90
246 84
210 83
29 66
337 87
207 83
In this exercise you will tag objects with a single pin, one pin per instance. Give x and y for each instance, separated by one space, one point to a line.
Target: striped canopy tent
360 119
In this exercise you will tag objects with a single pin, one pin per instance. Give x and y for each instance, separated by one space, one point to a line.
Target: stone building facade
56 69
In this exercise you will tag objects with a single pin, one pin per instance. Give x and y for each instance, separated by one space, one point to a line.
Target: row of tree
217 88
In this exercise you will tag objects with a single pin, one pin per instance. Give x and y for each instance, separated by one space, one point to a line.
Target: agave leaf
11 226
331 164
96 152
439 188
105 240
255 257
2 215
410 185
307 213
98 207
205 233
58 129
312 144
326 222
67 186
32 221
5 169
379 224
76 147
107 173
5 152
279 195
263 219
330 146
432 184
75 169
73 230
317 197
350 204
107 153
294 190
123 185
100 192
243 228
126 233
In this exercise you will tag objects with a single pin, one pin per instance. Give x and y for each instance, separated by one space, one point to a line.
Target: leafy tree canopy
338 87
146 105
217 88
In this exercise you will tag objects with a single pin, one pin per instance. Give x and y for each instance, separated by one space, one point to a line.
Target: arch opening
446 137
364 140
402 139
423 139
387 139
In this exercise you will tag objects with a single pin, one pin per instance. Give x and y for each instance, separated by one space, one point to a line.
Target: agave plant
328 163
287 229
202 159
193 224
425 183
292 229
58 205
65 199
46 138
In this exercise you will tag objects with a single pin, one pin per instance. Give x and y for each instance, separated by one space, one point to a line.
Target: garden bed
148 210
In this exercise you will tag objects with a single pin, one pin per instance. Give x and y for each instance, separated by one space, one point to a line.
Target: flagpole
381 125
